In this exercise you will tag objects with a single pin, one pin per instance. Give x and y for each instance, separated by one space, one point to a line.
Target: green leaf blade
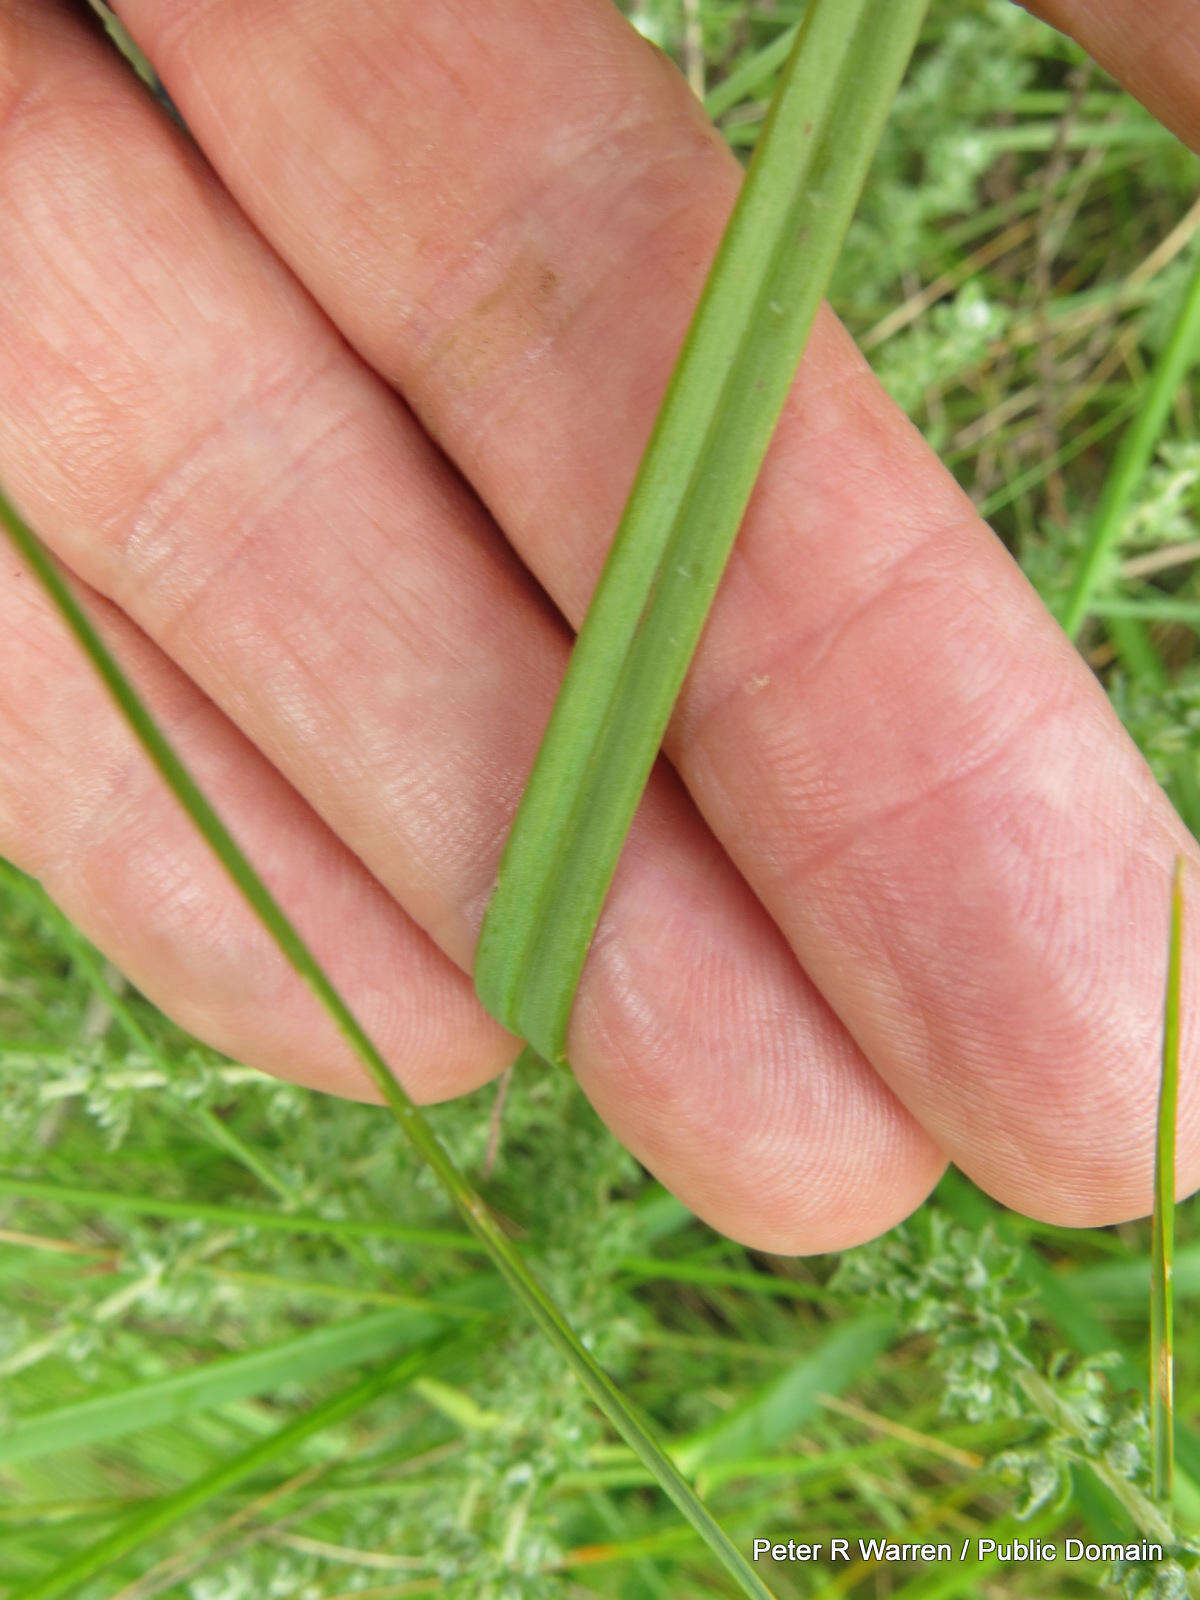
730 383
1162 1293
101 1418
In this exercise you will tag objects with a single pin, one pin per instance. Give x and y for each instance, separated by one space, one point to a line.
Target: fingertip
722 1069
800 1212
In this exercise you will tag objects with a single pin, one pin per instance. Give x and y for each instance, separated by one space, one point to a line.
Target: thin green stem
632 1427
1146 1517
1162 1288
756 69
229 1141
103 1201
1134 455
1020 485
721 407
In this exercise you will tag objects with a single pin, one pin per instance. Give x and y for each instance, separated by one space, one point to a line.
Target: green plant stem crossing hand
716 421
505 1256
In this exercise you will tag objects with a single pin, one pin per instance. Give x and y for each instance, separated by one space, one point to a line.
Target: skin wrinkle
986 880
249 528
240 425
1082 1097
52 184
86 328
975 766
804 788
20 93
702 726
131 525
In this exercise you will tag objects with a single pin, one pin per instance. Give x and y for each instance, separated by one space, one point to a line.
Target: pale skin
332 423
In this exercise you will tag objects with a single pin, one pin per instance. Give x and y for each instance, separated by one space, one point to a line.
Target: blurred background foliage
192 1255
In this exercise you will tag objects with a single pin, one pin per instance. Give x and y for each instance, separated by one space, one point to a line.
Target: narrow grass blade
1134 455
1032 477
102 1201
1153 608
827 1467
632 1427
1125 626
712 432
768 1416
1123 1285
752 72
214 1383
655 1218
646 1269
144 1525
1162 1291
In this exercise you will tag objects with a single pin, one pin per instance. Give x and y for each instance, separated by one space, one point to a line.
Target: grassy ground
190 1254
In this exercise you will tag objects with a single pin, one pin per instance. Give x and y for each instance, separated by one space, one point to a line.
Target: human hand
912 900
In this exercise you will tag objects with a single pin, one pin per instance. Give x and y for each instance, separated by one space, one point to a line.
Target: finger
921 781
1150 46
83 810
198 443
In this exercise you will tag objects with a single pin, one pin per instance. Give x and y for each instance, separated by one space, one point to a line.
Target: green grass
170 1223
732 377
